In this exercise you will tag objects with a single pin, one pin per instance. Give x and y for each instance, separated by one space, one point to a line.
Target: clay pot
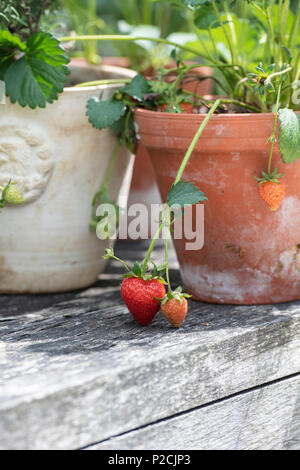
250 254
60 161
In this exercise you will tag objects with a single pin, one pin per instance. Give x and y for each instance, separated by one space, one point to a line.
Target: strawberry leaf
137 88
184 193
289 135
9 46
206 18
38 76
103 114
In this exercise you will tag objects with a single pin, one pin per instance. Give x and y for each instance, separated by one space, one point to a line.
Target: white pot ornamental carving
59 161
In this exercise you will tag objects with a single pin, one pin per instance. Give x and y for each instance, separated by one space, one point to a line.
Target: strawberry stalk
167 264
101 195
173 302
195 140
109 253
145 262
273 136
179 175
270 188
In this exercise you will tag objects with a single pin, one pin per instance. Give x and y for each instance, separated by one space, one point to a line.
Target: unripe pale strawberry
272 193
12 195
175 311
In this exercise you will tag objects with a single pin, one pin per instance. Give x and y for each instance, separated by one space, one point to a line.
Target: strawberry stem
195 140
167 265
150 249
273 136
178 177
111 165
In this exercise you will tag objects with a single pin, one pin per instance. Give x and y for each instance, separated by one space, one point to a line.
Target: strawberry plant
144 304
253 47
33 65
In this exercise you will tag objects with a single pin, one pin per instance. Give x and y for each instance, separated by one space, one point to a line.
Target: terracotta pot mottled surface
250 255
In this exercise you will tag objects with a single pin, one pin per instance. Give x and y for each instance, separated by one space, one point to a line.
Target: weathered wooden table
78 372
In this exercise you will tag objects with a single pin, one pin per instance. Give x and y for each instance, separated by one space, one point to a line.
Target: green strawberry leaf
289 135
137 88
103 114
39 76
184 193
206 18
9 46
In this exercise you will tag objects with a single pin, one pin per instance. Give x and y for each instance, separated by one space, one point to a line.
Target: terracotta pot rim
145 113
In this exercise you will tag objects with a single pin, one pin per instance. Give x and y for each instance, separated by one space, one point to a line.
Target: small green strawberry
11 194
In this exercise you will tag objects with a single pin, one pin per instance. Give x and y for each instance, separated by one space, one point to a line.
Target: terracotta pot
60 161
250 255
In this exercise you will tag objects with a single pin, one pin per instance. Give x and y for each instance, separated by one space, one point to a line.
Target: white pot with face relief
59 161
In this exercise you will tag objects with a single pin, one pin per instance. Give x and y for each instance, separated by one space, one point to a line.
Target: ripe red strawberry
272 193
175 312
139 297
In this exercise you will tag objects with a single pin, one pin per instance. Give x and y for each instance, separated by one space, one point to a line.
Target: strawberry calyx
137 270
266 177
176 294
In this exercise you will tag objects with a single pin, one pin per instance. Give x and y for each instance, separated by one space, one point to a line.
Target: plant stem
179 174
152 244
195 140
232 31
117 37
108 175
274 129
224 101
276 74
121 261
167 264
165 20
113 81
111 165
294 32
224 30
241 104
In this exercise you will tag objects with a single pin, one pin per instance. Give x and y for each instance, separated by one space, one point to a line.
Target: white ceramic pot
59 160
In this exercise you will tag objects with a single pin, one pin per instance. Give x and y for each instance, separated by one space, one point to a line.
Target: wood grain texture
81 370
264 419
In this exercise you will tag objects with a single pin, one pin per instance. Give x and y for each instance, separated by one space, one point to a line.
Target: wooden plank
263 419
80 371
